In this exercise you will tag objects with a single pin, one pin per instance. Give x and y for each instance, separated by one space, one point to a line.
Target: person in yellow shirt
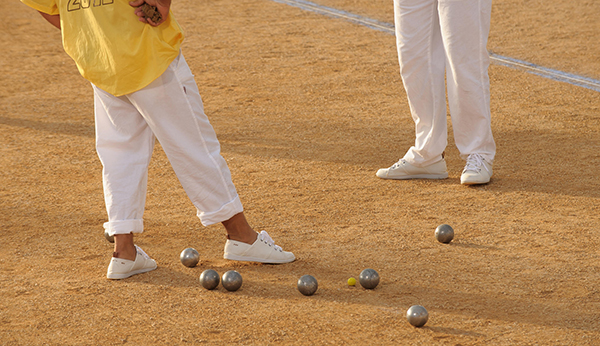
143 91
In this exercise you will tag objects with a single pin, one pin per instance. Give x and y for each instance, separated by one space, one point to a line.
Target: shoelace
141 252
265 237
474 162
398 164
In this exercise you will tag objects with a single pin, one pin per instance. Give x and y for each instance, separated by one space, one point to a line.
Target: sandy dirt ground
307 108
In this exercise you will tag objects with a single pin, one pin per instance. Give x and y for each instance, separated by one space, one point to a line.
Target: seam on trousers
435 13
481 69
212 159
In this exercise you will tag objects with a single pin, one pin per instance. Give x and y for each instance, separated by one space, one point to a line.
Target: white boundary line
557 75
528 67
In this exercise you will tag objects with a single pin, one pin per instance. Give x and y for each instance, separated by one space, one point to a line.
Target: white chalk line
528 67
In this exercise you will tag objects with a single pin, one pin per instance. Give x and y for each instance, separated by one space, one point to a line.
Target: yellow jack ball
351 282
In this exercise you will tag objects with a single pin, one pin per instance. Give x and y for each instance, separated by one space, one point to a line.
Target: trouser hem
124 226
225 213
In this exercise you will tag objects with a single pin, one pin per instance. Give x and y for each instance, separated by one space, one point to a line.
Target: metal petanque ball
209 279
307 285
417 316
232 280
369 278
110 238
189 257
444 233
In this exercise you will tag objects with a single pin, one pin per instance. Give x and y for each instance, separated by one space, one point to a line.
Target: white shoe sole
126 275
474 182
256 259
416 176
142 261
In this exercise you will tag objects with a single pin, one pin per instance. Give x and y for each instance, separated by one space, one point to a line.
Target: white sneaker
120 268
263 250
404 170
477 171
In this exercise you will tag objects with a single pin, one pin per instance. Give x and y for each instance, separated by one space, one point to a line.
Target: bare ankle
248 238
124 247
125 255
238 229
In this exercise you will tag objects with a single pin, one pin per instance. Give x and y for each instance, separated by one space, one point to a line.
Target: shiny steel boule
232 280
209 279
189 257
369 278
307 285
444 233
110 238
417 316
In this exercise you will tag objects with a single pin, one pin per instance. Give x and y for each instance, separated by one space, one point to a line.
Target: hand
162 6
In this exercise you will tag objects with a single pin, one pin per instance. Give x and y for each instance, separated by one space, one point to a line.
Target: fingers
149 21
144 19
136 3
146 16
153 23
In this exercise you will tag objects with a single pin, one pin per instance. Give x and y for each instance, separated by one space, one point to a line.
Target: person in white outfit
444 42
143 91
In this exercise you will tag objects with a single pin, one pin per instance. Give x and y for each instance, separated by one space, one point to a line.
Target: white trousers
437 38
169 109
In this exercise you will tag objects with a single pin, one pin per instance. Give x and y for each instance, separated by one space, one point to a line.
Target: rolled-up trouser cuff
124 226
225 213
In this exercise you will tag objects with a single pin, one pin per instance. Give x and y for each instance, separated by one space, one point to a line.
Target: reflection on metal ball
307 285
210 279
417 315
189 257
369 278
444 233
232 280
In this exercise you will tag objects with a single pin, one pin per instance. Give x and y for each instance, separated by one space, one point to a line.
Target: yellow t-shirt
111 47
